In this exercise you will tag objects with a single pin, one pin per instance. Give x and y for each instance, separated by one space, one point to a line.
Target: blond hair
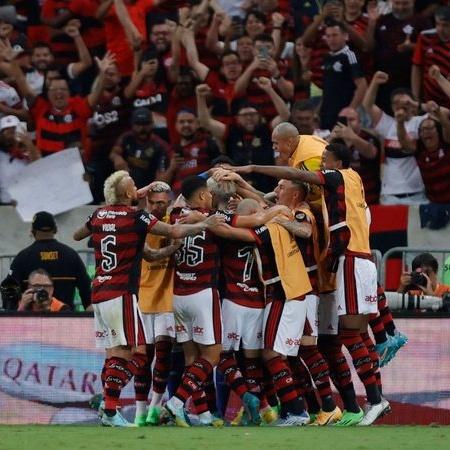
222 190
110 186
158 186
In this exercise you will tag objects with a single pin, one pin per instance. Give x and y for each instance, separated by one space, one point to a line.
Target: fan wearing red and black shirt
225 100
195 152
61 120
432 48
118 233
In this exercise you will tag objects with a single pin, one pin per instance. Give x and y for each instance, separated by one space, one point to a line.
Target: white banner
54 184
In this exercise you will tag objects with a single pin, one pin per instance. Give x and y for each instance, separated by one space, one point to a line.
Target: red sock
282 379
303 383
362 362
117 376
200 401
143 377
233 376
161 370
193 378
385 312
103 374
377 326
253 372
370 345
269 392
318 368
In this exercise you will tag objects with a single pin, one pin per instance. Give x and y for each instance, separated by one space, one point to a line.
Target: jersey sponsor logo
103 278
259 335
247 288
101 120
233 336
187 276
371 299
151 100
106 214
292 341
198 330
180 328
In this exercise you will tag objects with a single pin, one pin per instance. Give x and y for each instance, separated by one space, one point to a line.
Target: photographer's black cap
43 221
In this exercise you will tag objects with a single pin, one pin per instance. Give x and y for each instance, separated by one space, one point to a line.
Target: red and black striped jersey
431 50
240 279
118 237
319 49
58 130
151 95
196 261
110 119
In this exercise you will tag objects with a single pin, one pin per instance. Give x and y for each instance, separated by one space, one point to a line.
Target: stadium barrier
49 371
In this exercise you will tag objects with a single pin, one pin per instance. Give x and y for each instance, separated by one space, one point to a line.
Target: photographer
39 295
423 278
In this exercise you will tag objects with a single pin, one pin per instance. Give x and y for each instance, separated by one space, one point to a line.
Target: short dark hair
341 152
228 53
303 105
401 91
41 44
331 22
425 259
443 13
40 272
191 185
258 14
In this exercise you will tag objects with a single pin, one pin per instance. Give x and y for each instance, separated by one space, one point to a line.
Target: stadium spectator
432 152
394 40
38 296
16 151
423 278
401 181
343 80
366 151
141 152
248 140
195 152
304 117
433 47
59 260
42 59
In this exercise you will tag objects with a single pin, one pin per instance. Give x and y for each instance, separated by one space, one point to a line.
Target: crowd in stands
163 88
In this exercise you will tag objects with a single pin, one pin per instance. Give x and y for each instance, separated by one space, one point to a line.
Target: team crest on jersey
408 29
337 66
68 118
149 152
256 142
194 152
116 101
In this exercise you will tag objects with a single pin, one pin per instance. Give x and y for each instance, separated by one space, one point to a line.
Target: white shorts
198 317
312 321
118 322
241 323
327 314
283 326
356 286
158 324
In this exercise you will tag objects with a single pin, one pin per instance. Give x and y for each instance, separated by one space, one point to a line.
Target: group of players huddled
286 279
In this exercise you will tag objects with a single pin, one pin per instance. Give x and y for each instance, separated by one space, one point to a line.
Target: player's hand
234 202
380 77
214 220
203 90
242 170
192 217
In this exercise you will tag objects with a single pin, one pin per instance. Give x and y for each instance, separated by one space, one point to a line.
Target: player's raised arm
288 173
152 254
178 231
82 233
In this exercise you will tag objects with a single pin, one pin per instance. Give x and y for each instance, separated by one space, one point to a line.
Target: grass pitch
62 437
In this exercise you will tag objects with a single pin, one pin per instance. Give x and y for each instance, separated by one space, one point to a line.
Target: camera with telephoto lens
41 295
418 279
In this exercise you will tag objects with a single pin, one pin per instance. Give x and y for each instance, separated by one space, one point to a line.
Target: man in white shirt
401 182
